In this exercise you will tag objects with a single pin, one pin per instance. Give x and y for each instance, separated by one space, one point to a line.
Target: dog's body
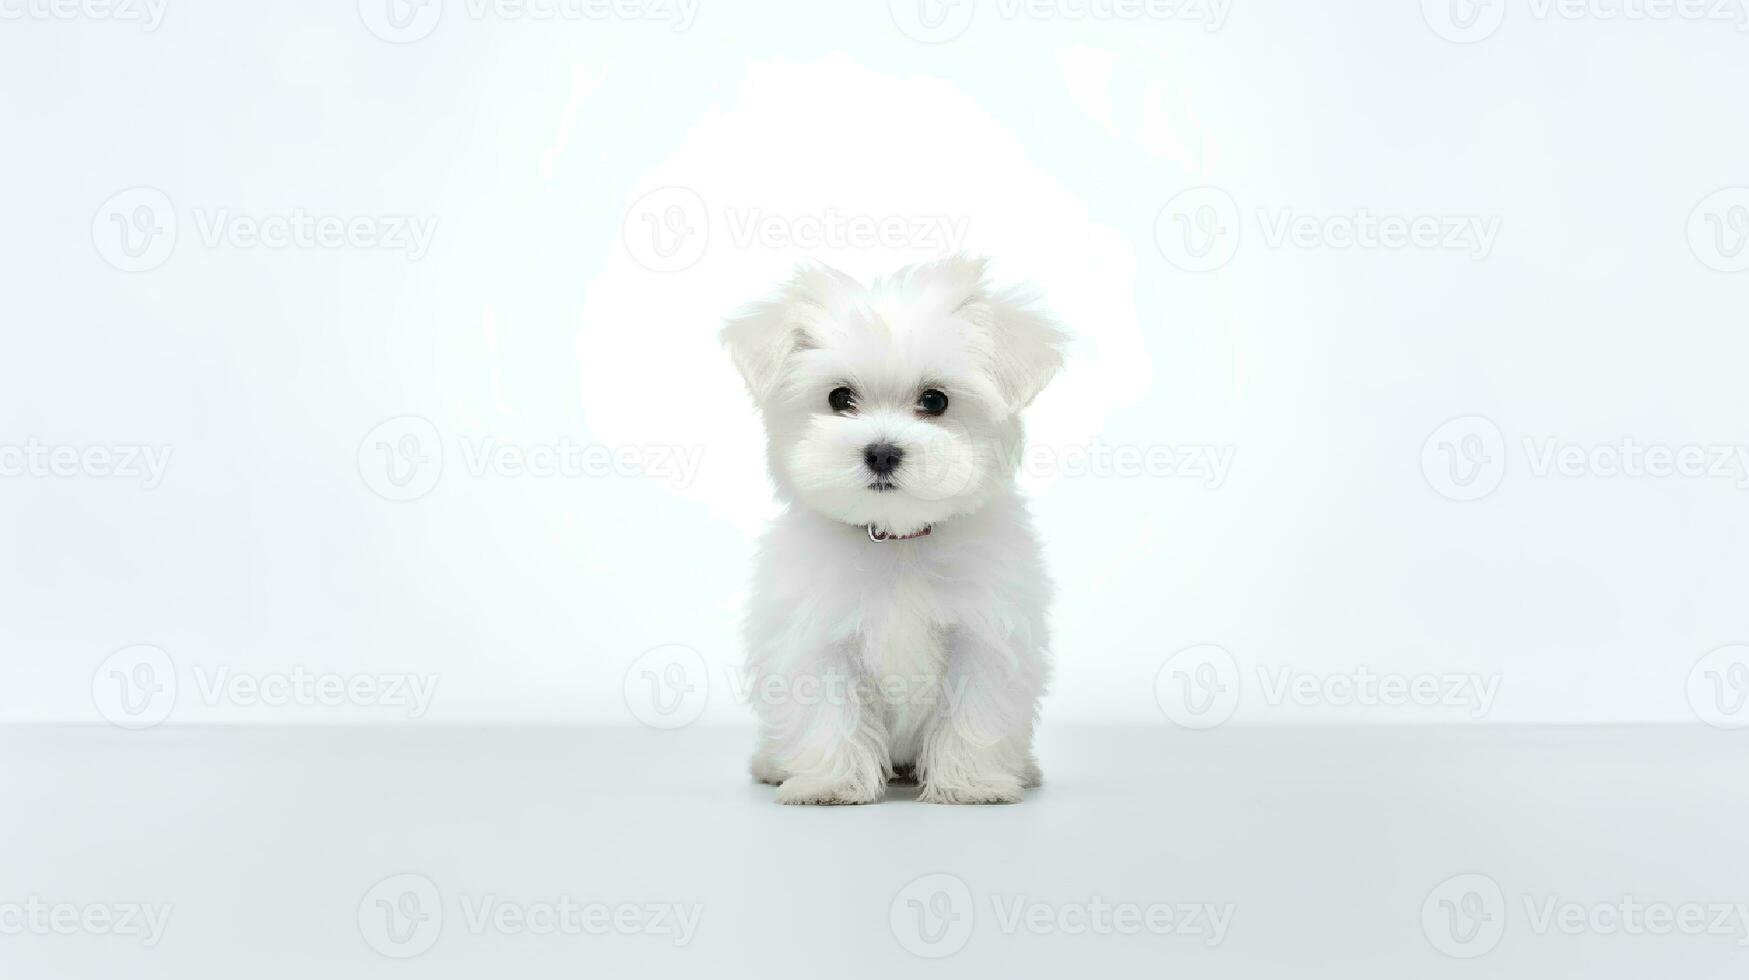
898 612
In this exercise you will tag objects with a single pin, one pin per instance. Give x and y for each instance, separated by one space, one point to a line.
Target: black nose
882 457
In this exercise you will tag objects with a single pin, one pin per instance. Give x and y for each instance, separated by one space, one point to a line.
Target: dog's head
895 405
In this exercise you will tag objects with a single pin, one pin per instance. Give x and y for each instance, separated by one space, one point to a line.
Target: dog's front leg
978 748
825 734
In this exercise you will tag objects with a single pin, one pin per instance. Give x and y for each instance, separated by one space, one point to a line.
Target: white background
1604 310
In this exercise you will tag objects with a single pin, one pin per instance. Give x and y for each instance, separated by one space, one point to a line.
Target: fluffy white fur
870 659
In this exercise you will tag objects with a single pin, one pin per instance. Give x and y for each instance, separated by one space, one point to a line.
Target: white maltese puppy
897 622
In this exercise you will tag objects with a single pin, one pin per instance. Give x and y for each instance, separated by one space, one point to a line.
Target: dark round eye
841 399
932 402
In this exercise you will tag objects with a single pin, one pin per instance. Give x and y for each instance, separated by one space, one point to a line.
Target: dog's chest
902 633
903 639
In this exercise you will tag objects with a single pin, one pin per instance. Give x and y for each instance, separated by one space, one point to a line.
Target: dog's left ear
1029 344
1025 346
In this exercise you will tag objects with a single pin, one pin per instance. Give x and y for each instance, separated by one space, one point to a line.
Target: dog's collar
876 534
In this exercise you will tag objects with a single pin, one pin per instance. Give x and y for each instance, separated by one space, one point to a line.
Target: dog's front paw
766 771
1006 791
802 791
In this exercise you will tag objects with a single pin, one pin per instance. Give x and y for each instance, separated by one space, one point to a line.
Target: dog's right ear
764 335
